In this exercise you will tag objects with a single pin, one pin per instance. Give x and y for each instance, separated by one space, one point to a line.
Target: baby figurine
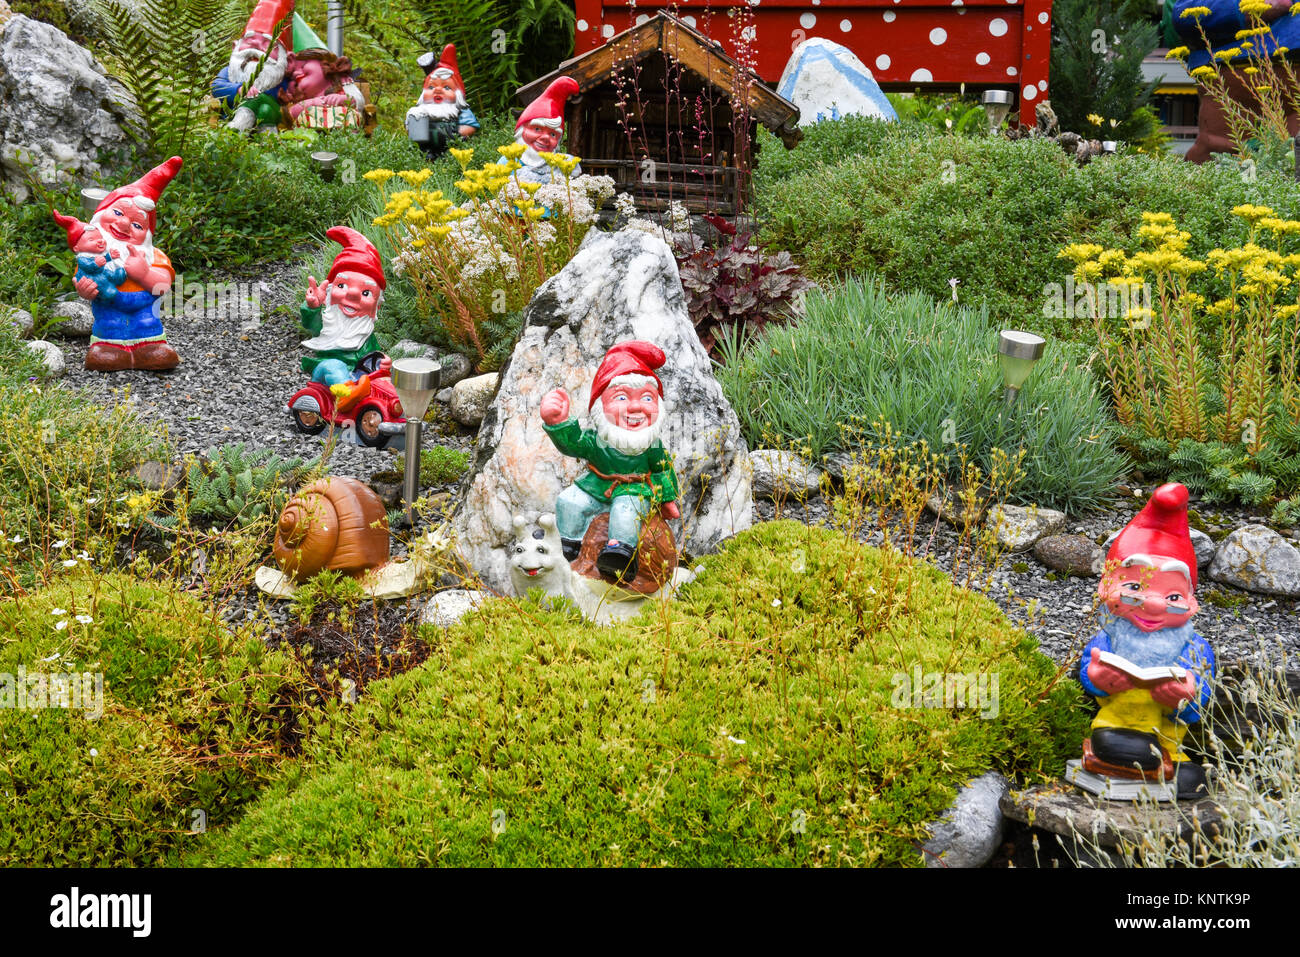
96 263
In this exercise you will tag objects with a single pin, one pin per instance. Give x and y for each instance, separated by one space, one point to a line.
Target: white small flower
92 500
61 543
776 603
61 625
85 619
734 740
16 539
94 752
69 562
84 556
58 611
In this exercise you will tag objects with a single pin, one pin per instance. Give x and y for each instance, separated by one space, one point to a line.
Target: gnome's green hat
304 37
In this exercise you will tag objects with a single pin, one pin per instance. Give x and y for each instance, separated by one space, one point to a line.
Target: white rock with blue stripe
827 81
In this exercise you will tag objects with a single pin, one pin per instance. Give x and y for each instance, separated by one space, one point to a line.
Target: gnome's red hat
550 105
634 357
267 14
148 188
1159 529
448 62
358 255
74 227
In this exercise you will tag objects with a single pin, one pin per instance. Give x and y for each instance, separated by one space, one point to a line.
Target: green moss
697 735
439 465
193 718
1225 599
1020 567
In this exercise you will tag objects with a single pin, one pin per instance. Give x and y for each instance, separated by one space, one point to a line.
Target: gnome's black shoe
618 561
1127 748
1190 780
570 547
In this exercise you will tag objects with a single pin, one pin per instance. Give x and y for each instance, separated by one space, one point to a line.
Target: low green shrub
439 465
758 719
918 208
192 719
233 485
861 359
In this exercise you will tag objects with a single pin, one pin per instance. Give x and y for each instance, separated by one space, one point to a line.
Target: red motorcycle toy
374 411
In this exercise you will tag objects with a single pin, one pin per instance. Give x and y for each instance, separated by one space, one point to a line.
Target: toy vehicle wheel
308 423
369 419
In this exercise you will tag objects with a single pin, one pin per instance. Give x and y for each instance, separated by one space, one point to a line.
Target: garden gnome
321 91
629 474
259 66
540 127
1221 27
442 102
1149 671
341 317
127 332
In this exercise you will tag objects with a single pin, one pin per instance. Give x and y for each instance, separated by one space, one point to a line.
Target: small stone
1071 813
1018 528
51 355
20 320
779 474
409 348
951 507
73 319
448 607
443 396
1259 560
155 476
971 829
455 367
470 398
388 486
1070 554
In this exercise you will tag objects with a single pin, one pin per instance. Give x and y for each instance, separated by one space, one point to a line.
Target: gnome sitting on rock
1149 671
629 474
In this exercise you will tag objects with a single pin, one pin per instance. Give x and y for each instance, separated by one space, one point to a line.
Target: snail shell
335 523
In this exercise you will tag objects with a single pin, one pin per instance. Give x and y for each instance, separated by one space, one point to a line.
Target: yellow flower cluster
1251 213
1254 8
1195 12
1250 32
424 211
1179 53
564 163
1228 54
1203 72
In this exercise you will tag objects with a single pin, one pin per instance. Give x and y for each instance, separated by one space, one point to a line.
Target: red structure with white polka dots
1003 44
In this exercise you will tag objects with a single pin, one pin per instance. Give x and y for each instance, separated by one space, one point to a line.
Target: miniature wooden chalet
663 110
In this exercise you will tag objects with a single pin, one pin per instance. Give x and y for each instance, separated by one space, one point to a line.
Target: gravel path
236 376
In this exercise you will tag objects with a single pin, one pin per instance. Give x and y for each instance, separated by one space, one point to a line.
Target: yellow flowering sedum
1195 13
379 176
1177 53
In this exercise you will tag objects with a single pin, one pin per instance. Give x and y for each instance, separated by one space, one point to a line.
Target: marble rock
779 474
73 319
448 607
827 81
19 320
1258 559
619 286
51 355
971 829
1018 528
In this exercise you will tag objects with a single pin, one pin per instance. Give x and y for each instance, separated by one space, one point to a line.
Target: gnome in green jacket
629 473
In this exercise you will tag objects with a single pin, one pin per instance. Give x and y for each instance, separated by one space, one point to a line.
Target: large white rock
619 286
1258 559
51 355
971 829
60 115
827 81
18 321
470 398
74 319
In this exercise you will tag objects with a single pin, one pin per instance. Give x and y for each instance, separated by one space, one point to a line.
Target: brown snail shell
335 523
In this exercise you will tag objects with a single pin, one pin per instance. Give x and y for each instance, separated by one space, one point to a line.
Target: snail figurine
335 524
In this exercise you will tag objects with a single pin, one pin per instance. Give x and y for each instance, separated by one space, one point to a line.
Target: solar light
1109 147
415 381
1017 351
91 197
997 104
325 161
334 26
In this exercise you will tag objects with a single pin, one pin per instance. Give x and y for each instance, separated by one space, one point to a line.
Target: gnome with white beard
257 73
442 102
341 316
629 473
540 128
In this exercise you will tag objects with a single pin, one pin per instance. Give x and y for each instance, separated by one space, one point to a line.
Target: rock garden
838 478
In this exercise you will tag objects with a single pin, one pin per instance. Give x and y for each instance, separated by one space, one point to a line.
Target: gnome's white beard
435 111
243 64
530 156
338 330
630 441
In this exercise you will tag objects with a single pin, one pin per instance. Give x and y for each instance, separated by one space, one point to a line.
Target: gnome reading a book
1149 671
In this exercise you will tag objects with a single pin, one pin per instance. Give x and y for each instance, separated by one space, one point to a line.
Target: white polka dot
607 31
958 3
997 26
883 61
1043 18
845 26
1042 85
982 59
921 76
938 36
689 21
807 20
1012 71
889 16
642 18
1031 91
582 26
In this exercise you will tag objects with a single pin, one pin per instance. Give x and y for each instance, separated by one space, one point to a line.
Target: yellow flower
416 216
534 214
1222 307
1287 312
1095 120
1196 12
468 187
530 188
1139 313
1080 252
1228 54
1112 259
418 244
1192 299
454 214
1177 52
1283 51
1087 271
415 178
461 156
1254 8
1204 72
1251 32
1162 218
1250 70
438 232
1251 213
379 176
513 151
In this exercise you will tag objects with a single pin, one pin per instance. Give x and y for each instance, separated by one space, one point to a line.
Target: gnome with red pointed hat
540 128
1149 671
341 316
442 104
629 473
127 331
